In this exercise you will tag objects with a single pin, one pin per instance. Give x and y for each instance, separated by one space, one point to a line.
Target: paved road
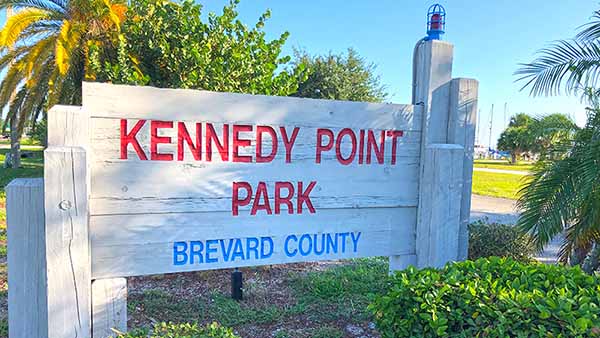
502 171
501 210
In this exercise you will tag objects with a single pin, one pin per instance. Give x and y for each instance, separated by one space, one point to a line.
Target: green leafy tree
339 77
551 131
518 137
174 47
563 194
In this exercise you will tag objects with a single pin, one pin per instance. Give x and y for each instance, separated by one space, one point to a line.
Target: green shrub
493 297
169 330
493 239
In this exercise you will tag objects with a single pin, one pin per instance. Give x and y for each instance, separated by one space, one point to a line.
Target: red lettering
236 202
184 136
338 146
287 200
394 134
259 156
372 145
304 197
323 147
211 136
155 140
361 147
237 143
289 143
261 192
127 138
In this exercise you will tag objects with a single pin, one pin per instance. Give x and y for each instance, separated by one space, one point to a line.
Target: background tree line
535 135
49 46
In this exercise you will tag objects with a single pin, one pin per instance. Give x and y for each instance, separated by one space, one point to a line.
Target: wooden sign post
142 180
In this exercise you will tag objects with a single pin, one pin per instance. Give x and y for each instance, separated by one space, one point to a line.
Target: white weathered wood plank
109 307
121 188
127 245
461 131
119 101
68 126
67 242
432 88
27 293
106 133
438 218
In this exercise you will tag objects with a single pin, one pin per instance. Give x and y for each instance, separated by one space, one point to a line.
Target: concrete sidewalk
502 171
502 210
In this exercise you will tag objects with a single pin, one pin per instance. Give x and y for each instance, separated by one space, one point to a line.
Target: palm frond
19 22
571 65
50 6
591 30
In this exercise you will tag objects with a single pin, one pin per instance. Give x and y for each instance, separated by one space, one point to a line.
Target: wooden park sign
145 181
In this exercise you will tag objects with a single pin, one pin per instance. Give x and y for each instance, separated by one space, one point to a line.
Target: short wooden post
109 307
461 130
27 292
439 209
66 212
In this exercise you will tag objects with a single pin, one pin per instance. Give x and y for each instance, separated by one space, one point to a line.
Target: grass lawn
321 300
25 141
496 184
503 164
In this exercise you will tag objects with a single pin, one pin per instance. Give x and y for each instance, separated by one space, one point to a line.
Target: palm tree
563 193
44 47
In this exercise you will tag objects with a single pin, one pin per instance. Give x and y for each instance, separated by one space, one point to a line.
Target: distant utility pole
505 110
491 125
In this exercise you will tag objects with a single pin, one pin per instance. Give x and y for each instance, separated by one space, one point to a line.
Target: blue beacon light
436 22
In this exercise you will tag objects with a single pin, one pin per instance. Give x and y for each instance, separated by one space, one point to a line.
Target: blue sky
490 37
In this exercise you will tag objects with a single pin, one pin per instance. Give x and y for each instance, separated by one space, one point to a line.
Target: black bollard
236 284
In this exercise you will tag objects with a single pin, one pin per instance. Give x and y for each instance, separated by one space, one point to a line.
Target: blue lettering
226 252
264 254
179 249
210 250
317 252
252 245
332 245
286 248
344 235
355 240
300 246
238 251
196 251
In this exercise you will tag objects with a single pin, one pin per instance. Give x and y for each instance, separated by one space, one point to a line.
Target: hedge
495 297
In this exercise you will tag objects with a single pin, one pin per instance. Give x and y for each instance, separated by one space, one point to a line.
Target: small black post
236 284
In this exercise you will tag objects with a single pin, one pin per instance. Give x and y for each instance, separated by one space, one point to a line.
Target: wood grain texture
119 101
109 307
461 130
125 186
439 212
68 126
67 242
129 245
27 292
